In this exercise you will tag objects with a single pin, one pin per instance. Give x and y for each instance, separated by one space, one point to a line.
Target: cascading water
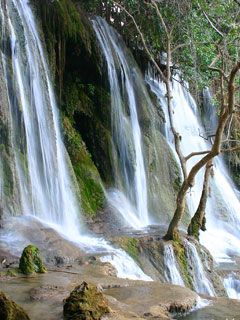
130 197
39 154
42 170
201 284
222 237
171 269
200 281
232 286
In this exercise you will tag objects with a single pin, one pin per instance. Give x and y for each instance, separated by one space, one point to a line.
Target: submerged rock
9 310
86 302
30 261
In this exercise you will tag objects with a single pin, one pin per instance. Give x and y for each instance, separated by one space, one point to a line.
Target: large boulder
86 302
30 262
9 310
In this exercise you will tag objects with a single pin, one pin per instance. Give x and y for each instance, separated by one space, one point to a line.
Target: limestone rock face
86 302
30 261
9 310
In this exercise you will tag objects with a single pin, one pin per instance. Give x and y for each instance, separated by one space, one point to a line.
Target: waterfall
42 168
201 284
171 269
232 286
200 281
40 158
130 196
222 237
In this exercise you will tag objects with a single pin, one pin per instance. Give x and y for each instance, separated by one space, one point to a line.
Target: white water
232 286
171 268
130 195
201 284
40 160
222 237
45 185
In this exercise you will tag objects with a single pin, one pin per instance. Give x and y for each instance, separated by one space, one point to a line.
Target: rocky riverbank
43 295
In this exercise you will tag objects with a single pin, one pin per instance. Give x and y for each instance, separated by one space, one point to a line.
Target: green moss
131 246
10 272
92 194
193 229
13 272
8 182
85 302
180 253
62 17
30 261
9 310
78 98
177 184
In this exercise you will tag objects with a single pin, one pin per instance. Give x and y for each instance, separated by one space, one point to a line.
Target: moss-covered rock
85 302
89 181
12 272
130 245
180 253
9 310
30 262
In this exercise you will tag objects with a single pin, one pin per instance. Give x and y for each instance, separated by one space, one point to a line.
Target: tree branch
210 22
233 149
199 153
180 46
153 2
219 71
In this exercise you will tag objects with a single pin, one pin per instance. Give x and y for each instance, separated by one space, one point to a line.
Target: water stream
130 195
172 273
232 286
201 283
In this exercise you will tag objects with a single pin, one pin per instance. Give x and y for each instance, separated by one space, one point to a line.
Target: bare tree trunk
198 220
177 137
172 233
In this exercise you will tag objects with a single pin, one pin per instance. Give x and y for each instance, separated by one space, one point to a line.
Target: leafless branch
193 154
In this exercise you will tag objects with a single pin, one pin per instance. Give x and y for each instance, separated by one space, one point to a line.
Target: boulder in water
86 302
9 310
30 261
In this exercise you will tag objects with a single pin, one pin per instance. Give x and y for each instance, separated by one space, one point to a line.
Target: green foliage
30 262
9 310
195 27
